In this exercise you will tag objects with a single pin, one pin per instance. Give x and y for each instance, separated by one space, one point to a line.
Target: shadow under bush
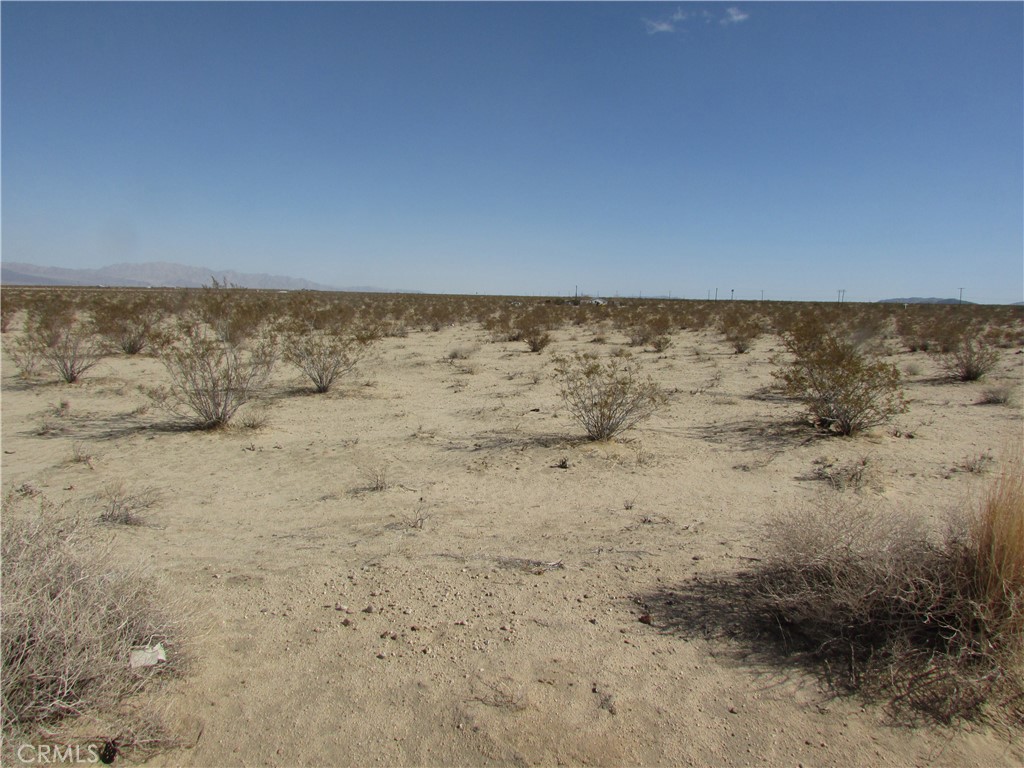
878 605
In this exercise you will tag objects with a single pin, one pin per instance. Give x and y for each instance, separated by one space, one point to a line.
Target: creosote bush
969 359
129 323
210 378
57 335
323 355
934 623
606 397
845 391
70 622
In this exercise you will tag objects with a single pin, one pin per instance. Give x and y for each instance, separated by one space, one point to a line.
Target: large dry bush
932 622
844 390
607 397
70 621
211 378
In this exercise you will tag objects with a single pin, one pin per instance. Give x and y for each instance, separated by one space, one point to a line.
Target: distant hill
919 300
157 274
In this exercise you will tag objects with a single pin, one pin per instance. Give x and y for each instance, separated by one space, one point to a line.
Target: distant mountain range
919 300
156 274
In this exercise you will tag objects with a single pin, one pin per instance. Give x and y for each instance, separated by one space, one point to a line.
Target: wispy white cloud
654 27
734 16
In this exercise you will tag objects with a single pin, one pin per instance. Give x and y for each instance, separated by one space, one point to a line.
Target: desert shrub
740 328
933 623
533 328
845 392
128 323
929 327
57 336
233 314
70 622
606 398
25 354
969 359
438 313
661 343
211 379
536 339
323 355
651 330
72 351
9 308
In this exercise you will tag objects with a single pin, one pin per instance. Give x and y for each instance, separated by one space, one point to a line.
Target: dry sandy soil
484 607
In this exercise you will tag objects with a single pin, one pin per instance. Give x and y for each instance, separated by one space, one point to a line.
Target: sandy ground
483 608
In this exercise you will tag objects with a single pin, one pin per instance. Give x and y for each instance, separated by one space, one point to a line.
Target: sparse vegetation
121 506
377 478
322 523
70 622
855 475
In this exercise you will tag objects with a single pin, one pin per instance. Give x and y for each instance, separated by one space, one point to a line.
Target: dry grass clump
996 539
999 395
933 624
856 475
70 623
606 398
121 506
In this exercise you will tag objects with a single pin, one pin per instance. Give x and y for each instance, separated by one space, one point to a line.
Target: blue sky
525 148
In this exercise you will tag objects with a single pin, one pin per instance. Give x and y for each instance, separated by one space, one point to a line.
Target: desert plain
431 564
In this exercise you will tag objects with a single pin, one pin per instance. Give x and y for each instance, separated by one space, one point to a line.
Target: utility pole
716 294
762 294
961 295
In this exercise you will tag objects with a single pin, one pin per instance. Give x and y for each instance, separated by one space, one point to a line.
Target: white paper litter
149 656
